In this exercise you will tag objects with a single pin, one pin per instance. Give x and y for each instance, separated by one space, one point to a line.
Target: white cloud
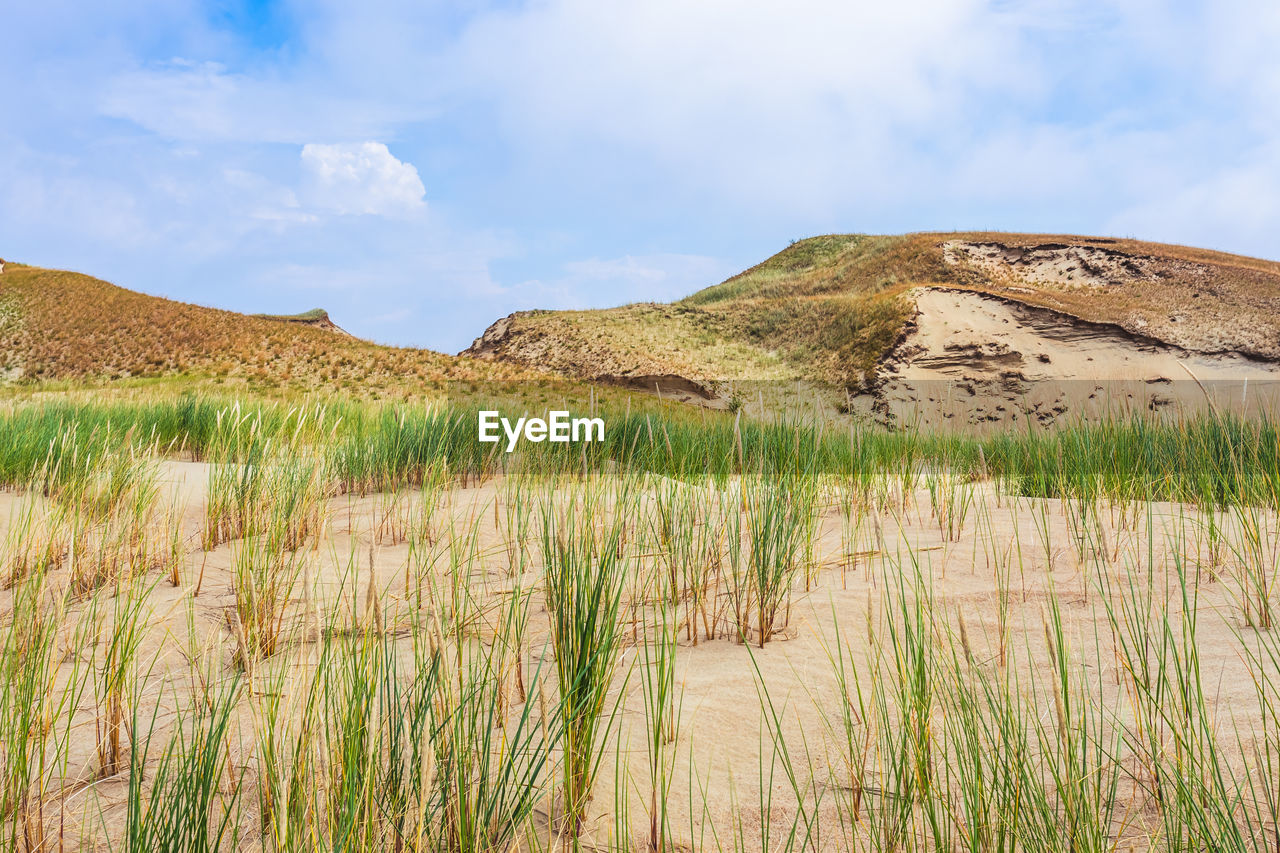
361 178
810 115
205 102
793 106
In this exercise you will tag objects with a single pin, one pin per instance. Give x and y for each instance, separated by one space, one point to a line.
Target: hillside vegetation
57 325
830 308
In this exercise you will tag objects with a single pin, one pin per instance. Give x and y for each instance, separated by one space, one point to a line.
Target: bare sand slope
985 359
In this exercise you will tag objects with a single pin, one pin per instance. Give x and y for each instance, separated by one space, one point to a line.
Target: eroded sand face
1063 265
722 733
980 359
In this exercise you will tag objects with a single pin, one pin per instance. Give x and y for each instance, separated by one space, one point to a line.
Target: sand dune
985 359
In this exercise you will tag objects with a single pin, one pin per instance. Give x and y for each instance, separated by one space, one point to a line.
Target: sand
974 359
723 737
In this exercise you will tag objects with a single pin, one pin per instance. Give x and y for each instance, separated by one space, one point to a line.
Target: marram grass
515 666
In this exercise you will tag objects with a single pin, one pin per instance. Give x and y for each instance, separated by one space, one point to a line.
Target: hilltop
316 317
991 313
64 326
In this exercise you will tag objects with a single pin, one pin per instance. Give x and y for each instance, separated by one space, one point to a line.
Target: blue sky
421 169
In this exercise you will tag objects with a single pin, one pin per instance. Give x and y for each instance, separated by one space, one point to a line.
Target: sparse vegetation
706 632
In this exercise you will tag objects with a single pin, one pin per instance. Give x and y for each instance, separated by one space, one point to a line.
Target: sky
421 169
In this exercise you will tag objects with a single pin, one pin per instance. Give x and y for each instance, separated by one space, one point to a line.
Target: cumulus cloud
361 178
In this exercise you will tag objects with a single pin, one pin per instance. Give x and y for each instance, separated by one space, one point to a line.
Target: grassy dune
827 309
58 326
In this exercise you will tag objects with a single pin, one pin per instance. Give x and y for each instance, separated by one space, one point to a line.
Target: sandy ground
976 359
722 739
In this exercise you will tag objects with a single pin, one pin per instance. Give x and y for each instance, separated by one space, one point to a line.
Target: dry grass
57 325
